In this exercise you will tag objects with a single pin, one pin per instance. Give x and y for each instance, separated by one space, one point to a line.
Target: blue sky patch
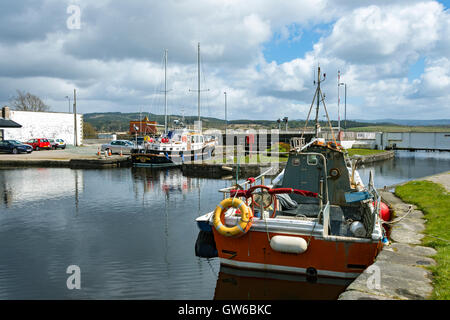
300 40
416 69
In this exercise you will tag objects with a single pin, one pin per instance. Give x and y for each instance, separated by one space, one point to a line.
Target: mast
165 91
318 102
339 101
198 74
198 84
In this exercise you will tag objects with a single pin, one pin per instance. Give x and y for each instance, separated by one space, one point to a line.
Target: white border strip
273 267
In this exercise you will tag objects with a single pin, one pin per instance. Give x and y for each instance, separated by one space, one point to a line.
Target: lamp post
345 114
339 100
67 97
226 121
285 120
75 117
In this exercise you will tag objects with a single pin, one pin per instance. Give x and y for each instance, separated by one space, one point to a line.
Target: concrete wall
50 125
417 140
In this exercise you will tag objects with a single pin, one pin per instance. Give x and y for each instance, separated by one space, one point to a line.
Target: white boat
174 148
177 146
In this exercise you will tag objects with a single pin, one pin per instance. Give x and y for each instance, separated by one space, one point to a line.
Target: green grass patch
434 201
280 147
363 152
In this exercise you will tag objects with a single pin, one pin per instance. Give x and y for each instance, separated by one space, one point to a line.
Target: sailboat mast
318 102
165 91
198 74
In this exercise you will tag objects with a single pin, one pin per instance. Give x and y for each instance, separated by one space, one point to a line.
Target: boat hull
169 159
340 259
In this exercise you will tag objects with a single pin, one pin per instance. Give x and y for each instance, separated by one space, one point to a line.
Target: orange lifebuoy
243 224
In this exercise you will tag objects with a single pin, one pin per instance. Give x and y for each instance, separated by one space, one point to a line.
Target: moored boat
177 147
316 218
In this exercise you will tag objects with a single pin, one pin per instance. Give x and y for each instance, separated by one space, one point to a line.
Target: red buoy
385 213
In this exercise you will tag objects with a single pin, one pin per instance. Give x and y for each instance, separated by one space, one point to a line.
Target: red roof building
143 127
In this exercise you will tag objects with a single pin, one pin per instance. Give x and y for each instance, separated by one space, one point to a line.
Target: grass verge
434 201
363 152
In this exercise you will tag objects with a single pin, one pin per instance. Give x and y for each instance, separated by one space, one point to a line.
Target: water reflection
126 249
406 166
168 180
34 185
257 285
133 234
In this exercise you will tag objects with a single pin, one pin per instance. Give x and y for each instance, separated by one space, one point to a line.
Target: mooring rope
402 217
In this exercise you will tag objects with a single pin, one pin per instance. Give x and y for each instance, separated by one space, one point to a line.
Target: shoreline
71 158
401 264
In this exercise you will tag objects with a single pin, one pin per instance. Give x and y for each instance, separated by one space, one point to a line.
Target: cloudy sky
394 56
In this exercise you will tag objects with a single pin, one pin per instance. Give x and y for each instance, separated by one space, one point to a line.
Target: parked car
117 145
57 143
14 146
38 144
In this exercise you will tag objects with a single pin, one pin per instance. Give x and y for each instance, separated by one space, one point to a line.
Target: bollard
121 154
98 151
106 153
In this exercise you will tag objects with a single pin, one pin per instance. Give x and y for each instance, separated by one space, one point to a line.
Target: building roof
6 123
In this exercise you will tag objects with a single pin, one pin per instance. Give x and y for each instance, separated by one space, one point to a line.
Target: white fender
288 244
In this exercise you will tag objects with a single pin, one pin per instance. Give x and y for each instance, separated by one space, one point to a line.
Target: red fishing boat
316 218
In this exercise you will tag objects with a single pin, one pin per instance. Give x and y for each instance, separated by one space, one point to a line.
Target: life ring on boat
241 227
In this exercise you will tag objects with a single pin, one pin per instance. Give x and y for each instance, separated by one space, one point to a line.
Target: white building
50 125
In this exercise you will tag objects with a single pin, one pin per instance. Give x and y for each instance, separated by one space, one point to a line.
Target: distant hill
404 122
119 122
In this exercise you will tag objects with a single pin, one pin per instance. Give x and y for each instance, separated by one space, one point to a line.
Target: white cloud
115 59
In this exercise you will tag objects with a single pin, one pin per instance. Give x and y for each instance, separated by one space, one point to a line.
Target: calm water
132 233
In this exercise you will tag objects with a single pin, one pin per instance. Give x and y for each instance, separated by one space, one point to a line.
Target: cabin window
312 159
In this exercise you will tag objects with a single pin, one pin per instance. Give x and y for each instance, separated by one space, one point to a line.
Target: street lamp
345 113
339 100
226 121
67 97
285 120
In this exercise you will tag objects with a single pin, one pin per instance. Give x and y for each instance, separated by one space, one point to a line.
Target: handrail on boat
225 190
261 176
